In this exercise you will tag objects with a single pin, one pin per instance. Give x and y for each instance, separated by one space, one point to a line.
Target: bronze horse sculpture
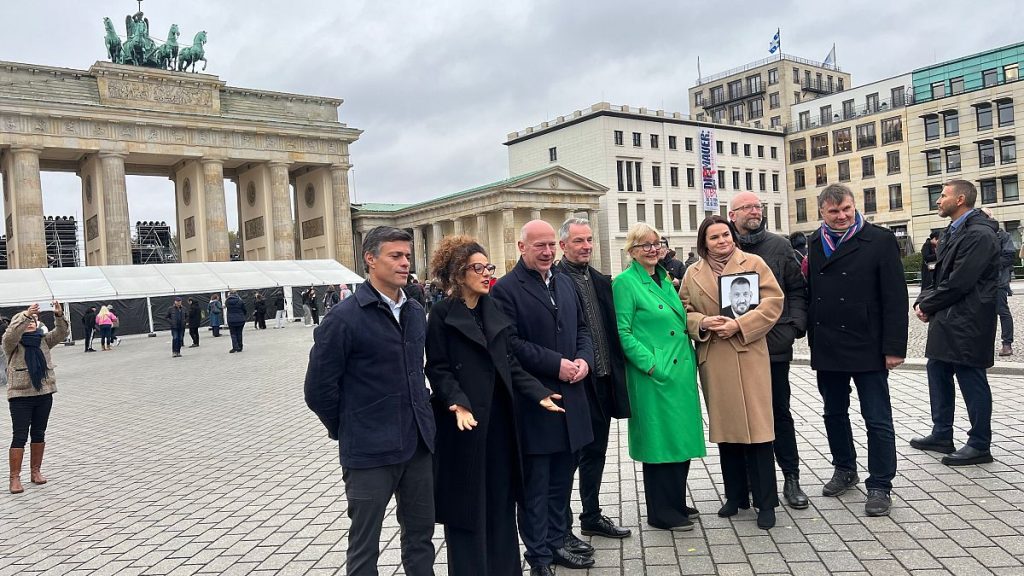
166 56
138 49
194 53
112 41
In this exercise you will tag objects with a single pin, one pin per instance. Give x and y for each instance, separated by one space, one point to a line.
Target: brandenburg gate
114 120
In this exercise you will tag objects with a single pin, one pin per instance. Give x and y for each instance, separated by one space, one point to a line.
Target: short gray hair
965 189
563 230
834 194
375 238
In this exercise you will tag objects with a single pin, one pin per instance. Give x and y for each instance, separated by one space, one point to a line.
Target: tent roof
23 287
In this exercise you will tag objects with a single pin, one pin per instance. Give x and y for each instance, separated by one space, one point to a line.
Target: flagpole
778 32
699 75
835 59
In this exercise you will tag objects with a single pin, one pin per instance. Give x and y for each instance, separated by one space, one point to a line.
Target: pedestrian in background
665 426
105 321
4 323
260 312
1007 255
115 323
307 311
237 314
330 299
314 306
195 318
89 326
31 383
177 318
928 258
215 310
343 291
279 313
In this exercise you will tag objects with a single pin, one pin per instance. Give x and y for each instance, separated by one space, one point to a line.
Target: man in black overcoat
857 329
960 309
553 344
606 386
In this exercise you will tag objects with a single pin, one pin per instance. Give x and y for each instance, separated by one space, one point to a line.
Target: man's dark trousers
875 407
177 338
88 337
369 491
236 336
785 431
1005 317
542 517
590 460
977 395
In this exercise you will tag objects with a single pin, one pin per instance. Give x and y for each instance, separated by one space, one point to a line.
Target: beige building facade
113 120
493 213
649 160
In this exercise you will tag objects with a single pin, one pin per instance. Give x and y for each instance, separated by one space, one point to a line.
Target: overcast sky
436 86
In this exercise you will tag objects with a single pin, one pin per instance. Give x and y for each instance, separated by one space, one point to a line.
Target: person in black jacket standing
259 312
606 387
89 325
237 314
195 318
473 373
365 383
754 238
961 314
928 258
552 342
857 329
176 317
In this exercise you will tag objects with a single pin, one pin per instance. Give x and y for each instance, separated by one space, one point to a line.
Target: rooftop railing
775 58
840 115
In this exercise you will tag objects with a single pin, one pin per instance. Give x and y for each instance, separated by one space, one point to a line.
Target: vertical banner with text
708 171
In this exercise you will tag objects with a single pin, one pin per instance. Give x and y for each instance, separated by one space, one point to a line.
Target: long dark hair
702 233
449 261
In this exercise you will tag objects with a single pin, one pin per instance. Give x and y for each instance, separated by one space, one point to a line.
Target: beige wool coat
735 373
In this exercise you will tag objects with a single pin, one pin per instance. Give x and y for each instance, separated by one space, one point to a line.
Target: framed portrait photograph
738 293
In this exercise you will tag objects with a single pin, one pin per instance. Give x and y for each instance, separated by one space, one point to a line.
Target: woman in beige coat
733 362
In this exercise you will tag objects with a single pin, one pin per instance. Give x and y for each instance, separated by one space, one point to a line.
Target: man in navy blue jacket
553 344
365 382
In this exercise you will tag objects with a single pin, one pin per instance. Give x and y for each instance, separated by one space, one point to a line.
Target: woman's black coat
463 366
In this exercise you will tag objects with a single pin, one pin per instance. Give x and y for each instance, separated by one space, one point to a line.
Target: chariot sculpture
138 49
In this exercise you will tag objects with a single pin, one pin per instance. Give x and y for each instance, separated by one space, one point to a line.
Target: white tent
99 283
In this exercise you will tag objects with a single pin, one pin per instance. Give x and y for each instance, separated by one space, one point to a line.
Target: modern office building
761 93
651 164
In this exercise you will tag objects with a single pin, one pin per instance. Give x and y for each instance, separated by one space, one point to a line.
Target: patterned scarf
831 239
719 262
35 361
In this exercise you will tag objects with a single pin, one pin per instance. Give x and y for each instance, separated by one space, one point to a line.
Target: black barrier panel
162 304
132 317
297 291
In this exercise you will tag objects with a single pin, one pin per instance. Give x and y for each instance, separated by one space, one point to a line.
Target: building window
841 141
801 210
892 130
641 212
775 153
1011 72
762 181
656 175
866 136
553 154
933 161
688 144
988 191
629 176
895 197
797 150
659 216
872 102
796 75
776 121
773 76
986 153
736 112
748 179
654 141
698 99
951 122
778 217
799 182
819 145
839 84
735 89
677 217
931 127
867 166
618 137
956 85
760 151
721 179
618 170
984 112
746 150
805 120
844 171
735 179
820 175
847 109
671 142
775 182
898 96
825 115
892 162
623 217
934 191
734 148
673 176
1005 112
717 94
693 216
720 146
953 159
690 178
1010 191
1007 151
773 100
636 139
938 90
756 108
870 202
989 78
639 186
753 84
718 115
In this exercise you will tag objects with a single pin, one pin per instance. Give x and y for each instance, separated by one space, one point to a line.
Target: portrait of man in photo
738 294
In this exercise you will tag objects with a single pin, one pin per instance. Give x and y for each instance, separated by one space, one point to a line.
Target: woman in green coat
665 429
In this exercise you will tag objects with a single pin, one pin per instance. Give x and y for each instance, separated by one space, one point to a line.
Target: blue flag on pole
776 43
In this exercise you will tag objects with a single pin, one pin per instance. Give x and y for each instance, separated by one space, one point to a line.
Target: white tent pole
149 309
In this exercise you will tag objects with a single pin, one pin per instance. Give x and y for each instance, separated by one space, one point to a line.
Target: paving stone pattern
211 464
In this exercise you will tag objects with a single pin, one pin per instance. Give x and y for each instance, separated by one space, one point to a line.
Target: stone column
569 214
216 212
420 251
280 213
28 244
342 217
508 237
457 227
595 255
481 230
241 235
436 234
535 214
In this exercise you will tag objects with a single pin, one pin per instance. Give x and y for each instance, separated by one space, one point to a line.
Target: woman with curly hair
473 373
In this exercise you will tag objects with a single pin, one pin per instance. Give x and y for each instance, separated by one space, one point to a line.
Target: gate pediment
149 89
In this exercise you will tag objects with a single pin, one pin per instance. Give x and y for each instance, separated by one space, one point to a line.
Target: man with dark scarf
606 387
746 213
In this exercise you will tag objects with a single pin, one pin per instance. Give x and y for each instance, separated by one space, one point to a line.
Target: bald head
745 212
537 245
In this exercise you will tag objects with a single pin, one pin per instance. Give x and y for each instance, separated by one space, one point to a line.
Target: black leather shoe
730 508
542 571
791 491
766 518
686 526
603 527
878 503
692 513
842 480
967 456
933 444
563 557
573 544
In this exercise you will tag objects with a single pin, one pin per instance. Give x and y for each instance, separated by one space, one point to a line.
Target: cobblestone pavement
211 463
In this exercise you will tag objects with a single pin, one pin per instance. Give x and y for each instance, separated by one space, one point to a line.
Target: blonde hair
637 233
103 311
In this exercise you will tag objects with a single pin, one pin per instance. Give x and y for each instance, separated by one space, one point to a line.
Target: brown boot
36 462
15 457
1007 350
